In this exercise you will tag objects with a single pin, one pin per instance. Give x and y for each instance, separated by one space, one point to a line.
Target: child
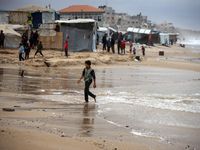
123 45
88 74
131 45
39 49
66 47
143 50
21 50
134 51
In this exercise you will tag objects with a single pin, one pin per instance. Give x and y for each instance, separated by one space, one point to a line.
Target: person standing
21 50
113 45
119 45
108 45
66 47
143 50
134 50
131 46
25 39
104 40
35 38
39 49
31 40
88 74
27 49
123 47
2 38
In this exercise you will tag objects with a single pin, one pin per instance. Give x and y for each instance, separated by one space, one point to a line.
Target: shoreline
42 121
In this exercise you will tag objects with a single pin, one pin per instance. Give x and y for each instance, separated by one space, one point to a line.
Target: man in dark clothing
104 41
27 50
25 39
35 38
39 49
119 45
88 74
113 45
31 39
2 37
108 45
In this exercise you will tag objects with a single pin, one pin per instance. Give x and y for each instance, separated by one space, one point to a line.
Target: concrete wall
52 42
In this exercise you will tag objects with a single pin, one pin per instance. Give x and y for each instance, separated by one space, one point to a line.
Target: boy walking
39 49
88 74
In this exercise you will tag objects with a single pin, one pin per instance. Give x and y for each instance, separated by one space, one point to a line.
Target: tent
164 38
12 38
82 34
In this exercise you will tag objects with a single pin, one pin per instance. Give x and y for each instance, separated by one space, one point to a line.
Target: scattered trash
54 78
47 64
57 93
8 109
127 126
138 58
161 53
17 106
43 90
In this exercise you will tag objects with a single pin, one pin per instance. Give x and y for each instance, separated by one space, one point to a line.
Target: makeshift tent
82 34
164 38
12 38
37 15
139 35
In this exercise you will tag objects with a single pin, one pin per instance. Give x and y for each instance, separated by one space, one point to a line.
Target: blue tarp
37 19
2 9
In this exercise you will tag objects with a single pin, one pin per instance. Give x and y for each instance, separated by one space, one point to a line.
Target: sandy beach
152 104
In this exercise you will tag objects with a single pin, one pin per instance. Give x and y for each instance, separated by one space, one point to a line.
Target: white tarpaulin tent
12 38
164 38
82 34
137 30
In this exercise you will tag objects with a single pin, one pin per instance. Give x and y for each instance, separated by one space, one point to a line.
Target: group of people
121 45
26 45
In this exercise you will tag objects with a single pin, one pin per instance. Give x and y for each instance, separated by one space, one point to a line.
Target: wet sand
141 105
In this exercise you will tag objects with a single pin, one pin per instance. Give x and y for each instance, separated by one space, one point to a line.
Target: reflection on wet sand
88 120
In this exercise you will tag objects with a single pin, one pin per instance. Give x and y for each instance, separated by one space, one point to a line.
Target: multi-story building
124 21
108 16
121 21
82 11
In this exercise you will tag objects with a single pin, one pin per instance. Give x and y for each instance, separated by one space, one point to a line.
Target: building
4 16
109 16
82 11
122 21
34 15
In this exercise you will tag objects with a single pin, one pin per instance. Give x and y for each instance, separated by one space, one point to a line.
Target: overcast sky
183 13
